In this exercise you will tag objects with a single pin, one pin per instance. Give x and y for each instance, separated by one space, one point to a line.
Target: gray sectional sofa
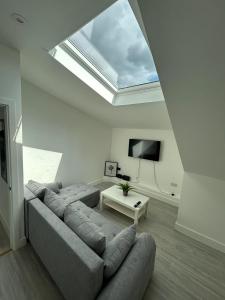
74 266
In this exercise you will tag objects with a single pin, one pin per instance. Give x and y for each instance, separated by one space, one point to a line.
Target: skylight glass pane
114 43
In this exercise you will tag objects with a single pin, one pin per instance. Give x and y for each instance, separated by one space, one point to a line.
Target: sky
115 38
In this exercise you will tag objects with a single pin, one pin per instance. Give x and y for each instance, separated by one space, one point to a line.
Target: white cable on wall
138 172
139 167
155 177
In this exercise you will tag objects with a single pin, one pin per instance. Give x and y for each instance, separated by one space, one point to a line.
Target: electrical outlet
173 184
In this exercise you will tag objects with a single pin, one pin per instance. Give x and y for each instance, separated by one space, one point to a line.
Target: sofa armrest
28 196
132 278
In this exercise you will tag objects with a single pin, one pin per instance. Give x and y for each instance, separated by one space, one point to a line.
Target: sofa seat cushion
81 192
109 229
88 231
117 250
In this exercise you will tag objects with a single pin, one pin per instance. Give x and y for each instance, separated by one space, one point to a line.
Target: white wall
10 94
194 92
201 213
193 87
61 143
168 170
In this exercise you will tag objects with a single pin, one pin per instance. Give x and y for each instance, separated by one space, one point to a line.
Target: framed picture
111 168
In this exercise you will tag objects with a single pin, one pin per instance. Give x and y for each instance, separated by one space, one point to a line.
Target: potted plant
125 187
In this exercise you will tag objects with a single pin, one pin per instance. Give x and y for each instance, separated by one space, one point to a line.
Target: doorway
5 181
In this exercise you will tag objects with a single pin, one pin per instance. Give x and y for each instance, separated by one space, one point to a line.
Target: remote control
137 204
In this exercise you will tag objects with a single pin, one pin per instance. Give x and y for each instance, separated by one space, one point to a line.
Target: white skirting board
144 189
200 237
96 181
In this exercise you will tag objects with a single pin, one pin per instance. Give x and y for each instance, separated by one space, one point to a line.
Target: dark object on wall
3 158
145 149
111 168
126 177
119 176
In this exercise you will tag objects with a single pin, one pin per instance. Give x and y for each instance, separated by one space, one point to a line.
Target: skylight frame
82 60
67 58
140 87
145 93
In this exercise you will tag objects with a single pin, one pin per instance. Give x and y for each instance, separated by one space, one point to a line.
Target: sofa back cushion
54 202
117 250
36 188
89 232
53 186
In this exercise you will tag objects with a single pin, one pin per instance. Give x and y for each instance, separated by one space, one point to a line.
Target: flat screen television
145 149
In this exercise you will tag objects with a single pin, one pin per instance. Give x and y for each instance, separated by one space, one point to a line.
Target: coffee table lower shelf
134 214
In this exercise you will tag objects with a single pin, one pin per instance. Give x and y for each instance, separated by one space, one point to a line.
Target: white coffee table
113 197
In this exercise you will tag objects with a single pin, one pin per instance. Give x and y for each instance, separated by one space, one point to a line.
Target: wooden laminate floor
184 269
4 241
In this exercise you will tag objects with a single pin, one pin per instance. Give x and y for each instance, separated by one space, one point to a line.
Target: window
115 45
111 55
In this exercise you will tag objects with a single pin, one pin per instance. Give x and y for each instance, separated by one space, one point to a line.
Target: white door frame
16 195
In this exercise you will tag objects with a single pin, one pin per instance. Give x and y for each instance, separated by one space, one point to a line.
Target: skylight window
110 54
114 44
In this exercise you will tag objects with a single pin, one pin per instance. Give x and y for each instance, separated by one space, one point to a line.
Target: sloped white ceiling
188 45
41 69
48 21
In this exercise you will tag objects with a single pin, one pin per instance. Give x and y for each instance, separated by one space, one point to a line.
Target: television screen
145 149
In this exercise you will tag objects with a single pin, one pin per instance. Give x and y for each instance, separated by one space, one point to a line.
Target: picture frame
111 168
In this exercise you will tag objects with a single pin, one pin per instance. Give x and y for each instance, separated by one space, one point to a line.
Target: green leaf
125 187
